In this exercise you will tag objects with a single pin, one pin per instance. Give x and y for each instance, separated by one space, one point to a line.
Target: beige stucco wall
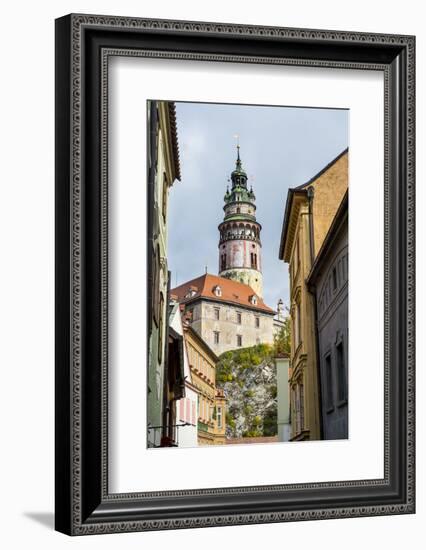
303 353
203 375
329 190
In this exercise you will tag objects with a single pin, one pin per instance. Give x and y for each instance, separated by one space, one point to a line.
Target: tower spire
239 243
238 162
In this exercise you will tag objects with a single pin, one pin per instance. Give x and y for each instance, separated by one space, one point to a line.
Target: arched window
223 262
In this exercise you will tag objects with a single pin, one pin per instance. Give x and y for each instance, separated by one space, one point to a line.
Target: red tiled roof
232 292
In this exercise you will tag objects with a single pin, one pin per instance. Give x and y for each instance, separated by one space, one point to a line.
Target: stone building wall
230 326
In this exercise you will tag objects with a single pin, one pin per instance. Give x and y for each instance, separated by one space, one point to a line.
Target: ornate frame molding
83 504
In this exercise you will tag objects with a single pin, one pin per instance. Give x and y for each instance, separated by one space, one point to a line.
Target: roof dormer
191 292
253 299
217 290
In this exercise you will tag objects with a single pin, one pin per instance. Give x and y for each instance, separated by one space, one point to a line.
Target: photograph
248 279
202 266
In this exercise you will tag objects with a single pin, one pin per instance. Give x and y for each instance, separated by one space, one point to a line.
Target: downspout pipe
167 420
310 195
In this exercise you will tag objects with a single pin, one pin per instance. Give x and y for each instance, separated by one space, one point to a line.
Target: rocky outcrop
248 377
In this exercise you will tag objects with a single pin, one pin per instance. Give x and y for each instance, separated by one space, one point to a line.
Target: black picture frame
83 45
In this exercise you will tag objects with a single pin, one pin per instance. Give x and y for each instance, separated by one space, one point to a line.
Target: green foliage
252 433
245 358
230 420
247 410
270 422
251 390
282 339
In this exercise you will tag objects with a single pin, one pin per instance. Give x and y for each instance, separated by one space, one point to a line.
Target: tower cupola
239 243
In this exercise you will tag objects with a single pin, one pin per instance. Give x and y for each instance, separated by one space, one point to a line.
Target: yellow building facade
310 210
211 407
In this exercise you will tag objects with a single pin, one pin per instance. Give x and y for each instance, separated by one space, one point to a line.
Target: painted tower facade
239 244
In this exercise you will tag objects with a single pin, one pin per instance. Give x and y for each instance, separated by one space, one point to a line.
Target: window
164 205
216 336
341 373
253 299
239 340
296 257
223 262
189 314
293 410
219 417
217 290
239 318
161 329
298 399
334 278
257 322
297 325
328 384
216 313
156 285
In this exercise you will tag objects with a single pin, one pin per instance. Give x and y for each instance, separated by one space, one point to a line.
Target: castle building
228 310
239 245
226 314
309 213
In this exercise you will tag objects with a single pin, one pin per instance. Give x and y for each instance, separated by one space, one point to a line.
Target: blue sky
281 147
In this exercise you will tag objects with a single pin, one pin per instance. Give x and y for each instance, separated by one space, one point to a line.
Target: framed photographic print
234 274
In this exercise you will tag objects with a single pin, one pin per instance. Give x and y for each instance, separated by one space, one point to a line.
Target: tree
283 338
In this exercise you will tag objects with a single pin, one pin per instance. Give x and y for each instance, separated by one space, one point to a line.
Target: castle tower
239 244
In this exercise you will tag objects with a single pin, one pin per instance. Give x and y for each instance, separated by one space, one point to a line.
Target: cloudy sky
281 147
